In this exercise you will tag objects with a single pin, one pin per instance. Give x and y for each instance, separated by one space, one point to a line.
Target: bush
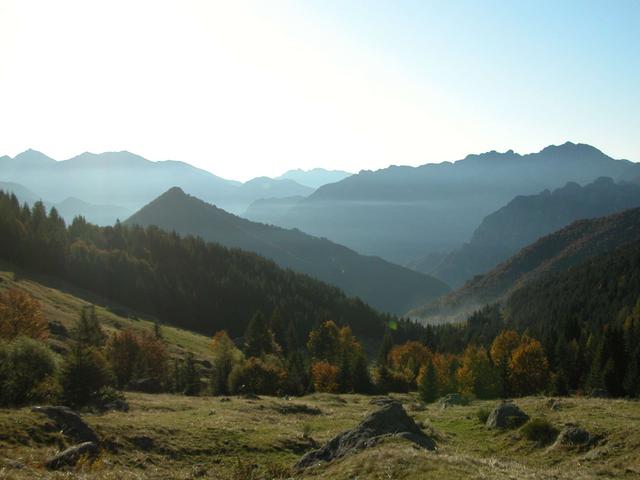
539 430
483 414
255 375
27 370
21 315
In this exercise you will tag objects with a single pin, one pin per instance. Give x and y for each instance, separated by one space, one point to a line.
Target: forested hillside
384 285
183 281
556 252
525 219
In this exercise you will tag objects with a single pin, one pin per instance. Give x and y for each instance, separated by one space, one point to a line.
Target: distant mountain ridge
556 252
316 177
527 218
386 286
402 213
128 181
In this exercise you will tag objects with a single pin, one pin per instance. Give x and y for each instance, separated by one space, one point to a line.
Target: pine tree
428 389
257 338
361 379
385 348
190 376
87 330
344 375
84 372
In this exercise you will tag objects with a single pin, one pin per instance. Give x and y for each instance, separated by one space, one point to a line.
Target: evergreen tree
84 372
276 325
344 375
428 388
292 341
385 348
190 376
87 330
258 340
361 380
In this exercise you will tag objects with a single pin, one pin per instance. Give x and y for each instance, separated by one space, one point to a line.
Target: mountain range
403 213
386 286
525 219
316 177
125 182
557 252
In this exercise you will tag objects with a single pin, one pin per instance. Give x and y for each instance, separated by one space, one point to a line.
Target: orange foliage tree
409 358
21 314
325 377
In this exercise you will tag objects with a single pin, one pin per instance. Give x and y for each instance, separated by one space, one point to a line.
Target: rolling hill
525 219
383 285
556 252
316 177
402 213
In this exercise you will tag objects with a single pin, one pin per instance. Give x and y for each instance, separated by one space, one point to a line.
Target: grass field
168 436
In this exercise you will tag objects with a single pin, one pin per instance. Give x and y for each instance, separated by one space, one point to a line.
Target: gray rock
69 422
70 456
599 393
506 415
389 421
573 436
451 399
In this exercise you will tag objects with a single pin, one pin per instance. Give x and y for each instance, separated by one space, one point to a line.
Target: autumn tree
225 356
476 375
409 358
325 377
21 314
529 368
501 350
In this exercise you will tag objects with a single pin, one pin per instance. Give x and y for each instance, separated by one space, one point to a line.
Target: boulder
70 456
506 415
572 436
599 393
69 422
389 421
450 400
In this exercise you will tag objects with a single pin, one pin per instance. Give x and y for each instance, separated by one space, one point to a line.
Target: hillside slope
62 303
525 219
556 252
186 282
383 285
402 213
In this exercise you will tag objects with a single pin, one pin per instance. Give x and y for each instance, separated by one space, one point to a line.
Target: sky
249 88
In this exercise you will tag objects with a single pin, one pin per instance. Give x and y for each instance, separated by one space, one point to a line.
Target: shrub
260 376
27 369
225 357
483 414
539 430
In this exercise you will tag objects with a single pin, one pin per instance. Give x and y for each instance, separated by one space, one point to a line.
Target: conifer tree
258 339
87 330
428 388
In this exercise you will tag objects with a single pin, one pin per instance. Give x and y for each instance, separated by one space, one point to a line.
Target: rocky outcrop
506 415
69 422
70 456
572 436
389 421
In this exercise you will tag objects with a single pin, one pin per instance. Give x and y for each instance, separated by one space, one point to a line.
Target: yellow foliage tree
503 346
529 367
476 375
21 314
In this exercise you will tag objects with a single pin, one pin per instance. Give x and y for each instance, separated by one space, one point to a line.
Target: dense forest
184 281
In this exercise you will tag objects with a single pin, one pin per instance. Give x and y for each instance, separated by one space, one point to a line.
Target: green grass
247 439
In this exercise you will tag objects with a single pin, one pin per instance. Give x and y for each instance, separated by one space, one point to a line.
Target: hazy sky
257 87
